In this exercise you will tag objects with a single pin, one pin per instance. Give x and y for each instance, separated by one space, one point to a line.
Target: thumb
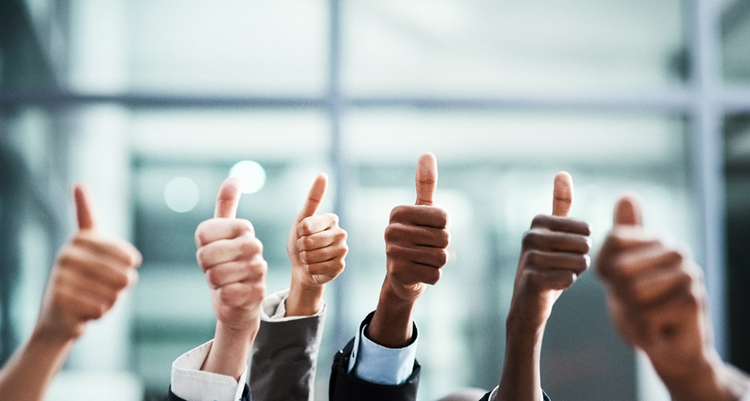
84 208
228 198
314 197
628 211
562 194
426 179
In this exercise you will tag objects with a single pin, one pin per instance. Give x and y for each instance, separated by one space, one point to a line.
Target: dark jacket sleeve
487 396
347 387
246 395
284 358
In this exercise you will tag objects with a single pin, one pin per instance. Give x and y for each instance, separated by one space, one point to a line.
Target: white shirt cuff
492 394
192 384
273 308
381 365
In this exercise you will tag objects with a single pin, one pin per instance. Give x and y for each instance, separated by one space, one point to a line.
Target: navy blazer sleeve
246 395
347 387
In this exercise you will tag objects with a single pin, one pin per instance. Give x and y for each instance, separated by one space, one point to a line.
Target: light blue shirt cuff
377 364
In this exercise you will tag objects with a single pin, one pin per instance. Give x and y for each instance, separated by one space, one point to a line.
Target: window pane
738 236
258 47
736 40
482 47
496 174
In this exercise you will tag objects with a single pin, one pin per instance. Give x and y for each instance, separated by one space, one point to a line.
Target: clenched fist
317 248
417 238
88 277
232 259
416 242
554 254
657 300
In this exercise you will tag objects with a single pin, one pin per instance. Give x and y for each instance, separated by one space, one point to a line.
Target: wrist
707 378
56 334
391 325
524 323
52 338
304 299
230 350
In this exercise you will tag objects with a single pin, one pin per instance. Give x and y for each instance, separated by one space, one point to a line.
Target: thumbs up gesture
89 275
317 248
554 253
415 246
656 298
417 238
232 259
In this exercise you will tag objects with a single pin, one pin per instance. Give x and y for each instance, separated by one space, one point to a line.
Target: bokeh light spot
181 194
252 174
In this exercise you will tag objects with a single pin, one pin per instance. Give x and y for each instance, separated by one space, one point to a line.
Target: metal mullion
341 169
707 157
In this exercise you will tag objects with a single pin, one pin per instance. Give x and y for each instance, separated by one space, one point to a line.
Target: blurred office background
151 103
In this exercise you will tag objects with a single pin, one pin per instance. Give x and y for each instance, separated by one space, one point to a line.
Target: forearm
230 350
391 324
28 374
709 379
304 300
520 379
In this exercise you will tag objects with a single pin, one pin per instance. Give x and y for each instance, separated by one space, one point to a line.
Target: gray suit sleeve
284 357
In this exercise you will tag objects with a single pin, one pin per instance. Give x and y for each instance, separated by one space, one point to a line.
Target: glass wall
151 103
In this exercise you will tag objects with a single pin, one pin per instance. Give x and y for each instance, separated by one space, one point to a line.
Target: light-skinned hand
88 277
317 248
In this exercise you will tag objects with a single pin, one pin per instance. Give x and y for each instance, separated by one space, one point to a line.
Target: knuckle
200 237
121 280
333 217
433 277
440 215
677 256
250 245
394 251
539 220
567 280
587 245
305 226
213 277
445 239
226 297
534 257
530 239
342 235
244 225
308 242
200 256
442 257
392 232
398 212
99 311
262 268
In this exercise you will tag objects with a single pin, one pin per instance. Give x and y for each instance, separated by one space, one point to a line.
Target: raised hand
317 248
417 238
656 298
416 242
554 254
88 277
232 259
